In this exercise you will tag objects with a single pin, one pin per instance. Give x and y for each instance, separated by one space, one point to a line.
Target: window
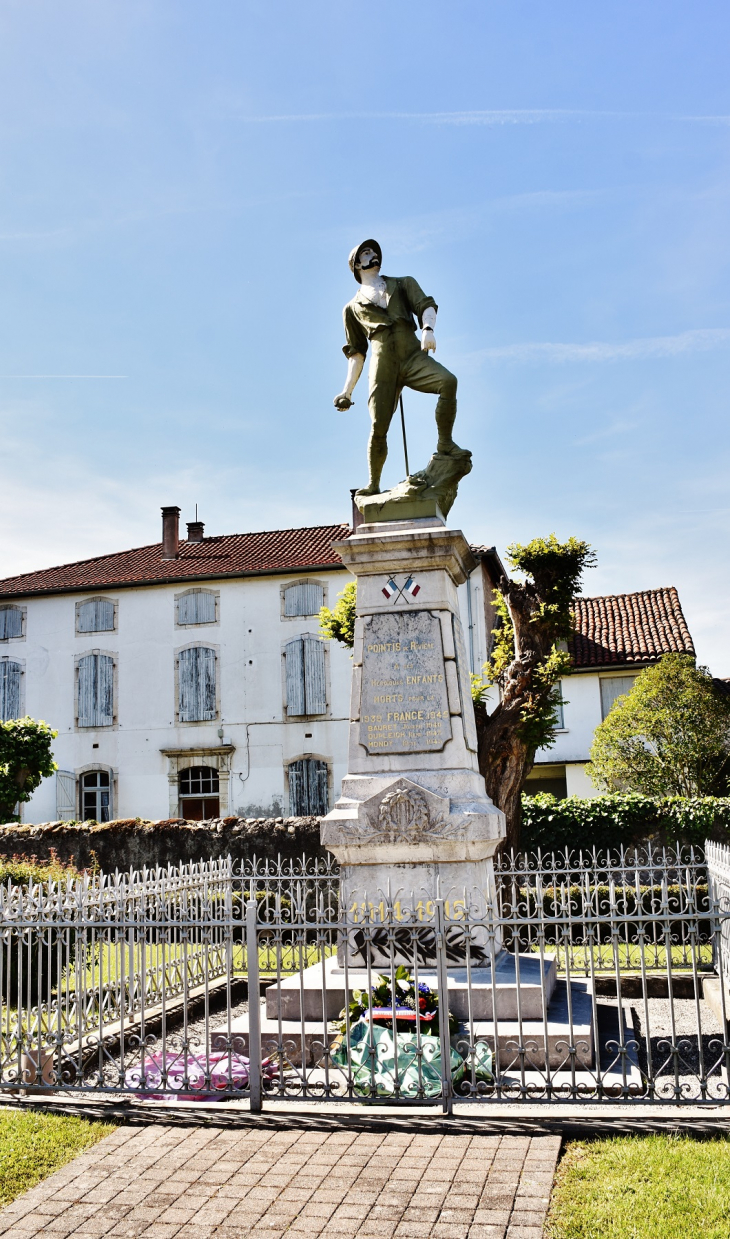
558 711
305 598
95 615
198 606
305 678
10 676
11 622
308 788
196 685
612 688
95 796
96 690
199 793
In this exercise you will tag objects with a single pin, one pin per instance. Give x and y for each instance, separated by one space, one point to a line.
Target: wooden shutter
196 685
104 691
11 622
317 779
65 795
307 598
197 607
314 677
295 694
297 789
96 691
96 615
10 673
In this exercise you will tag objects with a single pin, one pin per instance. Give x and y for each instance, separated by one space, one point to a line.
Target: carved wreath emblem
403 816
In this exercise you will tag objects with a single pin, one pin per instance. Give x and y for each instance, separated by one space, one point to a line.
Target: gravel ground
691 1065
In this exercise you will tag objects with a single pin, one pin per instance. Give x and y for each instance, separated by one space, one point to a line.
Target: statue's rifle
403 428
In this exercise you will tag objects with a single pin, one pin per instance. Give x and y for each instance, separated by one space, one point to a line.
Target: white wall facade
582 713
146 744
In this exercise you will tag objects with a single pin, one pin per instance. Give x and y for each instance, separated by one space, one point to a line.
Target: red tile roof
619 629
233 555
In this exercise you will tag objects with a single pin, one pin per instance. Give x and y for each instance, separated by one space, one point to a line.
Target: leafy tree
669 736
339 625
528 659
25 760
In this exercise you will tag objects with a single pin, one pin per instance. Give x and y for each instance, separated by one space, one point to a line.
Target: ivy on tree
528 659
669 736
25 760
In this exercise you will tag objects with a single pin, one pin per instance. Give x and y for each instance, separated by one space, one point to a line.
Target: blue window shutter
308 788
207 683
297 797
314 677
318 805
10 673
197 607
96 615
86 684
105 691
196 685
11 622
307 598
295 695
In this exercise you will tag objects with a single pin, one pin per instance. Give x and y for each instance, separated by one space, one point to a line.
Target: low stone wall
133 843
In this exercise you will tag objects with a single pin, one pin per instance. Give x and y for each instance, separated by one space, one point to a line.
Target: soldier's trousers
398 361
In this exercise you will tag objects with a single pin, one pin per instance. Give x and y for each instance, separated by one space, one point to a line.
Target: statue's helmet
371 244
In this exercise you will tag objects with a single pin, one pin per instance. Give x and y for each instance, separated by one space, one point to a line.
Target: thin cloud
63 376
485 117
698 341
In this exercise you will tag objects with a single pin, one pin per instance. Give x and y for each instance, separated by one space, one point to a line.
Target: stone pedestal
413 823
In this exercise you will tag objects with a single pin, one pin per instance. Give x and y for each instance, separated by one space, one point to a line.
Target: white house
188 678
615 638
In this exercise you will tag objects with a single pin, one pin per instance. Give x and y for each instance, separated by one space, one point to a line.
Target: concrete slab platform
522 987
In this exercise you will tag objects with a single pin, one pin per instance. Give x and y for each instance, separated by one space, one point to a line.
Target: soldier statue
382 312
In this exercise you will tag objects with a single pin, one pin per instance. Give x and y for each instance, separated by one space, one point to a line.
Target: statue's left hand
428 340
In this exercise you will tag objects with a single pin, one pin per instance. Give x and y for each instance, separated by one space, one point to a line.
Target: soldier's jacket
363 320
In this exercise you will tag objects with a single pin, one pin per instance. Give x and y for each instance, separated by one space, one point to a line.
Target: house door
199 798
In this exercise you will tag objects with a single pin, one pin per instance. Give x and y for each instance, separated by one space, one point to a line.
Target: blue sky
180 184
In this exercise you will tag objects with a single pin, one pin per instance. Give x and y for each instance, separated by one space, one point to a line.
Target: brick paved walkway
220 1183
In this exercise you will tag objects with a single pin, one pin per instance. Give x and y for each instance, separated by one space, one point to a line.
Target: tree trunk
505 762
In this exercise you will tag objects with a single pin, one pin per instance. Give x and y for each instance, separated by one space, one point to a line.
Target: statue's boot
372 489
447 447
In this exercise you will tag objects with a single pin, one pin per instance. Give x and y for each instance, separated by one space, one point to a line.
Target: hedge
607 822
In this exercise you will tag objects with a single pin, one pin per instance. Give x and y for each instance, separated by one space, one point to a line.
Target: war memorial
413 831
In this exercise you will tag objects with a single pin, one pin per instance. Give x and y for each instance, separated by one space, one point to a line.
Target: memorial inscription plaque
404 705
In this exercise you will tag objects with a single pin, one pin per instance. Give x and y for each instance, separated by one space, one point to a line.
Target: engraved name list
404 706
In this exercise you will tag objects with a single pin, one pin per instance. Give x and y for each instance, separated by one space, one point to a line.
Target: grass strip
33 1145
642 1187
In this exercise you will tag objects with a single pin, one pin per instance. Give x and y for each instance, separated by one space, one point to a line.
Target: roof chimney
195 531
170 532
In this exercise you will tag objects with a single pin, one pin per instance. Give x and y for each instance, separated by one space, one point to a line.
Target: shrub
607 822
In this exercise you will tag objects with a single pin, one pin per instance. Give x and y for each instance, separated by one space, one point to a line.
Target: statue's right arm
355 364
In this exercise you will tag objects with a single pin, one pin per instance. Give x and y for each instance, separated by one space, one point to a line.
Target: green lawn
33 1145
644 1187
629 957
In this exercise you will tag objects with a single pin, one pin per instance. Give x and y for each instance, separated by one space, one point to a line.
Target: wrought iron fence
586 977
